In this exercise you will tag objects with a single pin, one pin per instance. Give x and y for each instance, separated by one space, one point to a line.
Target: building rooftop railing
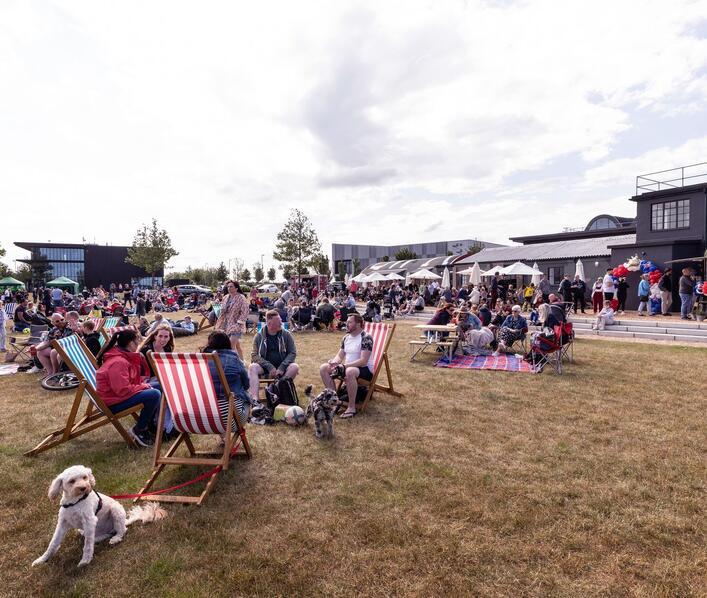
673 178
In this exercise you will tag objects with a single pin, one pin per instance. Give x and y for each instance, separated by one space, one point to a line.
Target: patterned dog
322 407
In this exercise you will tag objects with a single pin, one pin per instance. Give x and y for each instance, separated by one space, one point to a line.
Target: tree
221 273
245 275
2 251
342 270
40 266
405 254
297 243
258 272
356 263
271 274
4 270
237 269
320 263
151 249
286 272
23 273
385 258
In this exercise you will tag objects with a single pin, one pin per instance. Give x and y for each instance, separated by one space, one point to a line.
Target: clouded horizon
386 123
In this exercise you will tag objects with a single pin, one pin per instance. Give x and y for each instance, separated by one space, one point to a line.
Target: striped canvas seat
382 334
10 310
97 323
111 322
189 390
285 326
82 363
189 393
79 358
204 324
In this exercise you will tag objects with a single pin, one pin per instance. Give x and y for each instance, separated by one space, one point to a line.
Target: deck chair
110 322
204 324
82 363
98 323
21 344
107 332
188 391
259 327
382 334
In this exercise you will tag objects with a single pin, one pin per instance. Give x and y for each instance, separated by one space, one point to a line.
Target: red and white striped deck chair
83 364
97 323
109 332
188 390
382 334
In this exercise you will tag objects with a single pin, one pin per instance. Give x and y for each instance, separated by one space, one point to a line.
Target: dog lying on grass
97 516
322 407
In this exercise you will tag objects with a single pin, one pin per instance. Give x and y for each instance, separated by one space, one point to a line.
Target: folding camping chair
82 363
22 344
188 390
382 334
546 351
565 334
204 324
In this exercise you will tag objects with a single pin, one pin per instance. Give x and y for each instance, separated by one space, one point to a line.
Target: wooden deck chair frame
113 321
220 458
383 361
96 415
204 324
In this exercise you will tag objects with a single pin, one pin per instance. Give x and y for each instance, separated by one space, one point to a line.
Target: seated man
302 316
185 325
353 361
557 308
273 353
324 315
20 319
514 328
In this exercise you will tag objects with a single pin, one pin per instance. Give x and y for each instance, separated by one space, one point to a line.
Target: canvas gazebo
64 283
13 283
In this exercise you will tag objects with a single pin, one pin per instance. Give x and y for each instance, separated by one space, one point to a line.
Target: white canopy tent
519 269
376 277
492 271
394 276
360 278
424 275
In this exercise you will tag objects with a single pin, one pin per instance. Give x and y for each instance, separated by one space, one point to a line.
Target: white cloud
385 122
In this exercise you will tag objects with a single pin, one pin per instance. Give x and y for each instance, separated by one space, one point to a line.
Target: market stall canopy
424 275
375 277
394 276
8 281
360 278
64 283
492 271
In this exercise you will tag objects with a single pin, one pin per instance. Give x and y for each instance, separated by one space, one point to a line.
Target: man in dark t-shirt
21 321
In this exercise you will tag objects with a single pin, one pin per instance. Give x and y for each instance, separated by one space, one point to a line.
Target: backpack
361 393
281 392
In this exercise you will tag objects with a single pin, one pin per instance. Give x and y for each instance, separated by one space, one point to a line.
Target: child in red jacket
120 382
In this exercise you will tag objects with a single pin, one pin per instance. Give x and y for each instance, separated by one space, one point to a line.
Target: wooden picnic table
434 335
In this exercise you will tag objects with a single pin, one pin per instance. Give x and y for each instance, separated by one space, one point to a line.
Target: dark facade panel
106 264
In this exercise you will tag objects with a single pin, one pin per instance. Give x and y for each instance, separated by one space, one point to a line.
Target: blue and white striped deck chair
285 326
204 324
82 363
110 322
10 310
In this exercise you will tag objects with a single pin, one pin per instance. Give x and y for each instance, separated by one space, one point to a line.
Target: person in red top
120 381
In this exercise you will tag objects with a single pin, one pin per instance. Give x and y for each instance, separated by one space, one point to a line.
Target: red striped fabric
112 331
379 331
191 396
98 322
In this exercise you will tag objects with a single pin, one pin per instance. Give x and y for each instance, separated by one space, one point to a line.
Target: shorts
365 373
236 335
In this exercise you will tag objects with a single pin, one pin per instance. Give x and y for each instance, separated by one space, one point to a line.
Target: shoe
34 369
668 314
142 438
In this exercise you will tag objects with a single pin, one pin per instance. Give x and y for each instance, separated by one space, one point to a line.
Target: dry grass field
474 483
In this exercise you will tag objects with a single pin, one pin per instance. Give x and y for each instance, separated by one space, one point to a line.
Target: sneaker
142 438
34 369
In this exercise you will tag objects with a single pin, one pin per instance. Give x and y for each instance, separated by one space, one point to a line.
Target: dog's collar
84 497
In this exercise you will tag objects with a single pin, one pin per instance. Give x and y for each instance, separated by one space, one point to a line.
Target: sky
385 122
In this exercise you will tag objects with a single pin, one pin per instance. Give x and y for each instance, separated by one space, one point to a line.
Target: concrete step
623 334
648 321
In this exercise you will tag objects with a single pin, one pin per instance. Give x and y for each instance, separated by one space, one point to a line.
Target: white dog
98 516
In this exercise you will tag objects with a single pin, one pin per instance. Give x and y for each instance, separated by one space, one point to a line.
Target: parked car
268 288
188 289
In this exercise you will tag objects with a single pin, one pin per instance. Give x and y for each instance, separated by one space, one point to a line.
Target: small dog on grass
96 516
322 407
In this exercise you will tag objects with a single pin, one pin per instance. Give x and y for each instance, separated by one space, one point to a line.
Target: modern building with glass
88 265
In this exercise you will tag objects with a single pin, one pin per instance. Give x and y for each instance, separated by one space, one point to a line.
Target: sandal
348 414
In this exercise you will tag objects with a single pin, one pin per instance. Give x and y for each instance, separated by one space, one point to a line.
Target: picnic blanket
506 363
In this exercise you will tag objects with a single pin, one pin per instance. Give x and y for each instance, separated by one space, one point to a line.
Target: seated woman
605 317
236 376
159 340
119 381
513 329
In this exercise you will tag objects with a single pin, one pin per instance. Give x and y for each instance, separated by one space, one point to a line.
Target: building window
554 274
602 224
670 215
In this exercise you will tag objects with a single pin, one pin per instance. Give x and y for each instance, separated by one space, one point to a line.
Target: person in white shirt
353 361
607 285
605 317
3 321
